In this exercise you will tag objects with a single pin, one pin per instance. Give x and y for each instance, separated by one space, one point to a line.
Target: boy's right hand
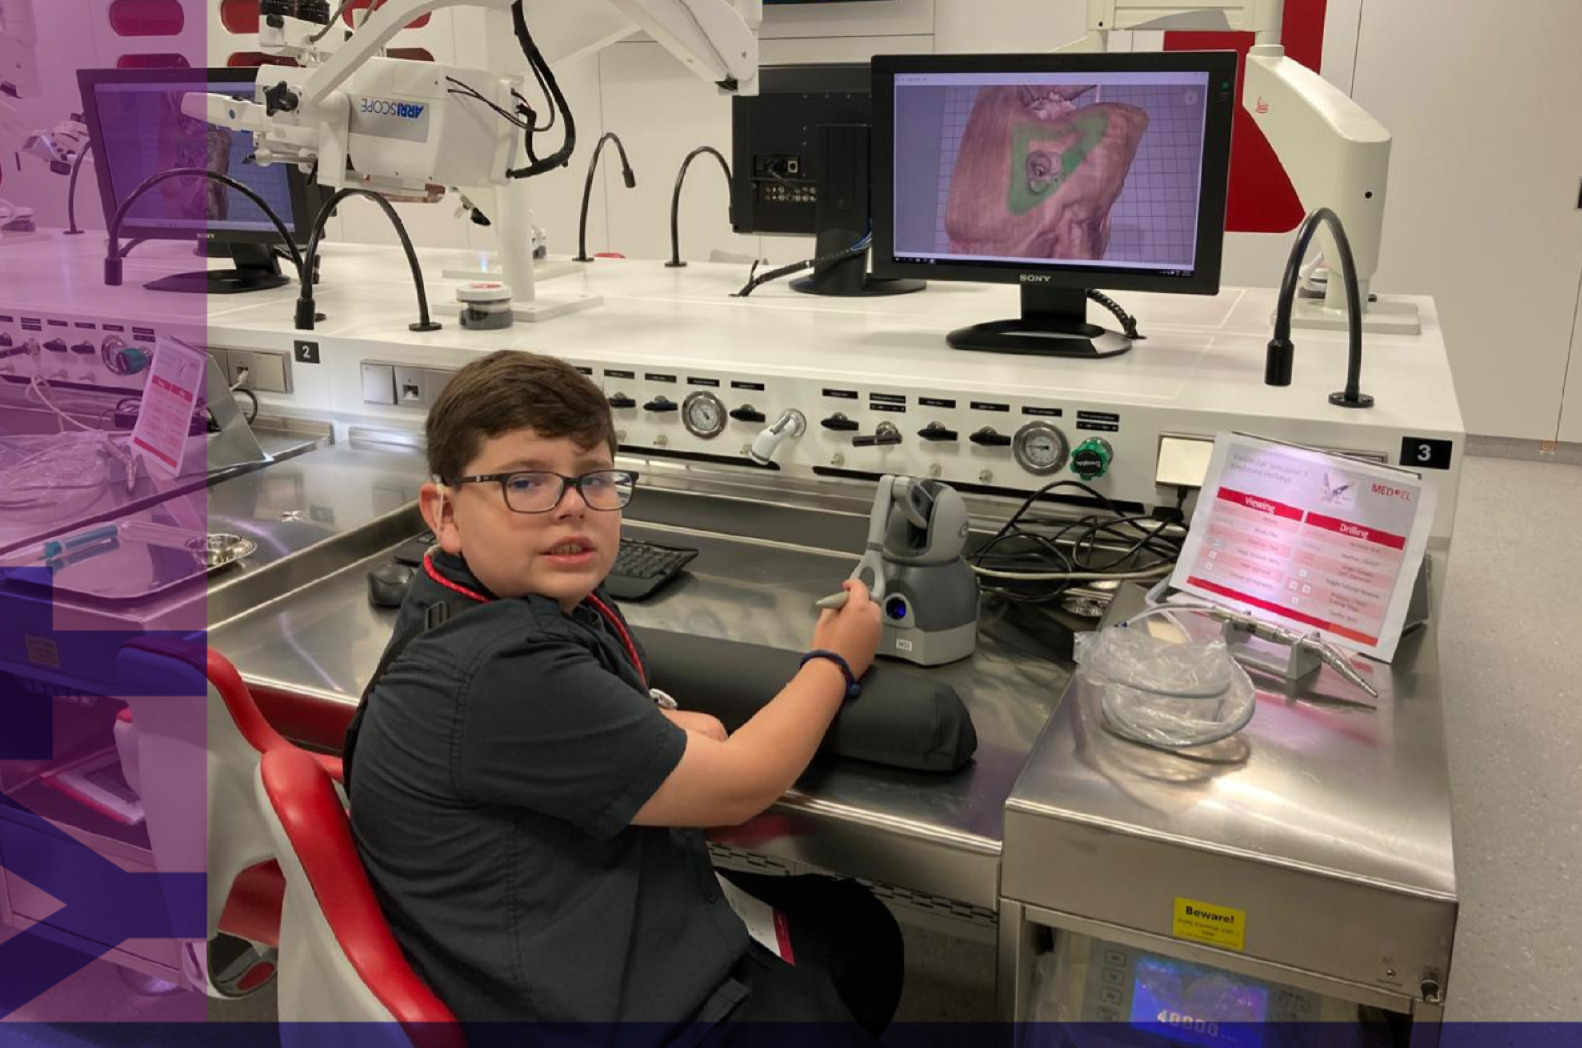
853 631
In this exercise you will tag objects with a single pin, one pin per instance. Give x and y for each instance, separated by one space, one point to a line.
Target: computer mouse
387 585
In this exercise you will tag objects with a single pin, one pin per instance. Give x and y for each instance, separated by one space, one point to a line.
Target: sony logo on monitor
1036 278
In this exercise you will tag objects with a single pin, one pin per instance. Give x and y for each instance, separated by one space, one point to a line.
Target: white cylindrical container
485 305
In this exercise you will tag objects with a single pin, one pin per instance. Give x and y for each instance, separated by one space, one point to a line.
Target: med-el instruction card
1310 540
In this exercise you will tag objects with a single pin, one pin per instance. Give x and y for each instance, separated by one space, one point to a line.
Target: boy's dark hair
509 390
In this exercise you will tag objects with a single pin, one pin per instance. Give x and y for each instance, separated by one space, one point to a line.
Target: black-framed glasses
539 491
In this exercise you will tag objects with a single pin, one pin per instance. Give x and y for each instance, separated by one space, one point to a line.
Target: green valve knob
1091 459
133 359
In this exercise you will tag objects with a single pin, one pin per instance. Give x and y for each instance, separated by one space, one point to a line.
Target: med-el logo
1392 492
1036 278
391 107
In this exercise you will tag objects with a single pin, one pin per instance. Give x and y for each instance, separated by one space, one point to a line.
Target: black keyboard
640 567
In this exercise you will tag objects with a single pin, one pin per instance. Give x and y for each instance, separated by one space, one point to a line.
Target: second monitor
801 165
137 128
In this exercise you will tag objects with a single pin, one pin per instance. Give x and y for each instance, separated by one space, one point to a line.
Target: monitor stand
1053 324
843 217
848 278
257 269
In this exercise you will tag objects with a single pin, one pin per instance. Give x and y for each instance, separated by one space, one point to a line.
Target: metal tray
125 561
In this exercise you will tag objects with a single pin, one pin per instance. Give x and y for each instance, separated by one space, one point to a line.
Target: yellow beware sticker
1211 925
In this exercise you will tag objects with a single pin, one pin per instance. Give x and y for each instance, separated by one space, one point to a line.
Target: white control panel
819 387
1141 456
72 350
111 354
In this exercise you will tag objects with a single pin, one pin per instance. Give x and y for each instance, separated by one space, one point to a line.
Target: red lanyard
598 605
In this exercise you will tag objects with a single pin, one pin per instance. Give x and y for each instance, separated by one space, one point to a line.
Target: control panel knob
56 345
886 434
661 404
621 400
748 413
937 431
132 360
85 349
791 423
989 437
839 422
1091 459
5 341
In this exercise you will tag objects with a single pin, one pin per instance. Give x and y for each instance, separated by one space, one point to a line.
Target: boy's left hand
701 723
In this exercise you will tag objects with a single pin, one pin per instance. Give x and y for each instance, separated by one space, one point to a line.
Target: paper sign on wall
1312 540
165 416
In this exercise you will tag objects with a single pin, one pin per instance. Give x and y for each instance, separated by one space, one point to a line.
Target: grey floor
1511 648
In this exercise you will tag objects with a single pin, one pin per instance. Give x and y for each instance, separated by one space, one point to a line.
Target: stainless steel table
1322 829
928 841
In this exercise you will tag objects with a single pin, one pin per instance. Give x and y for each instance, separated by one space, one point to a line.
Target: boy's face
562 554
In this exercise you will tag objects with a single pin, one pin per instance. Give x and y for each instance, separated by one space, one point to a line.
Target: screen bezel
298 222
1205 277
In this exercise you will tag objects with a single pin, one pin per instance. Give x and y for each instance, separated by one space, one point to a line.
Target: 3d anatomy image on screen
1103 167
1036 177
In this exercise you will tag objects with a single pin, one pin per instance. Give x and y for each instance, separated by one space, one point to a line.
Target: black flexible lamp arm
1278 362
587 189
305 304
112 258
675 199
71 190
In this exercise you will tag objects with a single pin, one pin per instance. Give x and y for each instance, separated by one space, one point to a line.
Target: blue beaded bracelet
853 687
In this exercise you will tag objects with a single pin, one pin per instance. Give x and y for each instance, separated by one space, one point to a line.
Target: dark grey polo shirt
499 764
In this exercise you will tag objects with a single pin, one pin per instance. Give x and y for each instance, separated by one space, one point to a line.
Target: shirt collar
454 568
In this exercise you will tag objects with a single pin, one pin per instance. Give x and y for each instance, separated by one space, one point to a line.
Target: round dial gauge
703 415
1040 448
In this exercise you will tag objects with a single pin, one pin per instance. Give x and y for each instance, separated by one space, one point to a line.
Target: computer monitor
1060 173
800 165
137 129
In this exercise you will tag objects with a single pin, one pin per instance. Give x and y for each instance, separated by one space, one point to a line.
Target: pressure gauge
1039 448
703 415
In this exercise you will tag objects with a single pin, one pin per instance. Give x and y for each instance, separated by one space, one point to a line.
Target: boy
528 815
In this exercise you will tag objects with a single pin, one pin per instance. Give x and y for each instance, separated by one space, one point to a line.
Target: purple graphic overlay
103 589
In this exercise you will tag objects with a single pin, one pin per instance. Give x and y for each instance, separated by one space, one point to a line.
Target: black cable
754 282
548 101
113 255
305 306
468 91
587 189
1016 548
675 199
334 18
71 191
1128 322
535 61
250 396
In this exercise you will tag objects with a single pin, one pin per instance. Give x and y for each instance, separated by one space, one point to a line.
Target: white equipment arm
402 128
713 39
18 40
1336 155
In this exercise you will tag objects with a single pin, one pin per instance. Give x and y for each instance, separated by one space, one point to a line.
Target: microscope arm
710 37
1336 155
